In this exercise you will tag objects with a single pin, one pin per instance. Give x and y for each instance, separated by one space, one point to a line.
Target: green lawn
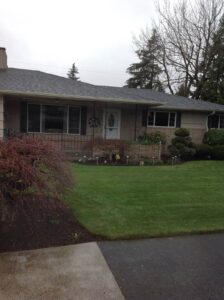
129 202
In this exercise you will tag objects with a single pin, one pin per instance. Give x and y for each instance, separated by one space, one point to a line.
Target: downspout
2 117
135 133
211 114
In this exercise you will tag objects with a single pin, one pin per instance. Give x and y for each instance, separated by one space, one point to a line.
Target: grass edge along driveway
132 202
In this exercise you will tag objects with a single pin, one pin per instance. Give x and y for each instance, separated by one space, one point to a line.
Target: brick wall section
137 152
134 151
1 117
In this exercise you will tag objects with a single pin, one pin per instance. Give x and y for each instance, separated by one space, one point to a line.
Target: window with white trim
53 118
161 119
216 121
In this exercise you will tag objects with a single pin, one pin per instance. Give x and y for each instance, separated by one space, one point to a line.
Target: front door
112 123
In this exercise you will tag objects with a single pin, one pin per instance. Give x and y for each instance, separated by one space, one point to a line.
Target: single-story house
42 104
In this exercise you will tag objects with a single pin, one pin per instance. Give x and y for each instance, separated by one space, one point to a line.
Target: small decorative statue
117 157
141 163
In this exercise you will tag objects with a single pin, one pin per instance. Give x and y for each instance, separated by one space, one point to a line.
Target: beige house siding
194 121
128 123
98 131
1 117
12 114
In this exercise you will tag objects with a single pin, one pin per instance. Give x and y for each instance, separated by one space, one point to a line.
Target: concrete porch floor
68 272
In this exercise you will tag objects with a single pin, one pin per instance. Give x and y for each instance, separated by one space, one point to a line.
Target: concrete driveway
70 272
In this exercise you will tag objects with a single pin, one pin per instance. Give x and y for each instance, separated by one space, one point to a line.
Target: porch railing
74 145
77 146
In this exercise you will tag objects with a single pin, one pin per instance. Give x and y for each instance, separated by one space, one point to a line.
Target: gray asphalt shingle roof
28 82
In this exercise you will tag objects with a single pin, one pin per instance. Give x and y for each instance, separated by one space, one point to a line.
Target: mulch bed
40 224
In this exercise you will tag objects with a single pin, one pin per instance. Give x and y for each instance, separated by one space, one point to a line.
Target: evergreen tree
72 73
145 73
213 89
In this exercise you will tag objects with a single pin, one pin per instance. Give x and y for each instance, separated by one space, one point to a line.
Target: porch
89 148
81 128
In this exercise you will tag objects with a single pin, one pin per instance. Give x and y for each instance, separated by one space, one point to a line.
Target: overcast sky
49 35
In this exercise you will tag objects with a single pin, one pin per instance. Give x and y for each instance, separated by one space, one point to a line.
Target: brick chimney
3 58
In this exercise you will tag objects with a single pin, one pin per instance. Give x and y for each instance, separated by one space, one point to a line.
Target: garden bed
37 225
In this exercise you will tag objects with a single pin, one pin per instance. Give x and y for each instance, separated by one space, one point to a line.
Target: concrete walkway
69 272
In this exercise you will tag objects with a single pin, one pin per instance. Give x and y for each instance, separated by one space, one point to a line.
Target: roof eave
193 109
83 98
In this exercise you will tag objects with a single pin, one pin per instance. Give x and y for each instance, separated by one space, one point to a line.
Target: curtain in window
54 119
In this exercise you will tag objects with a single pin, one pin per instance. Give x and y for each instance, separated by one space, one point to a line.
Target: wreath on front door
94 122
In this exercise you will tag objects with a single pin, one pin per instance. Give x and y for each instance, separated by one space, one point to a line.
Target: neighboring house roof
35 83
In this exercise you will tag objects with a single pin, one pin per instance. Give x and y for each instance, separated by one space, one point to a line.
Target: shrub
182 145
182 132
214 137
218 152
32 166
152 138
203 151
157 137
173 150
179 146
144 139
187 153
182 140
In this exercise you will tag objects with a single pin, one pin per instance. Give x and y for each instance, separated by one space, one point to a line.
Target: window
216 121
150 118
221 121
74 120
53 119
172 119
33 118
161 119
